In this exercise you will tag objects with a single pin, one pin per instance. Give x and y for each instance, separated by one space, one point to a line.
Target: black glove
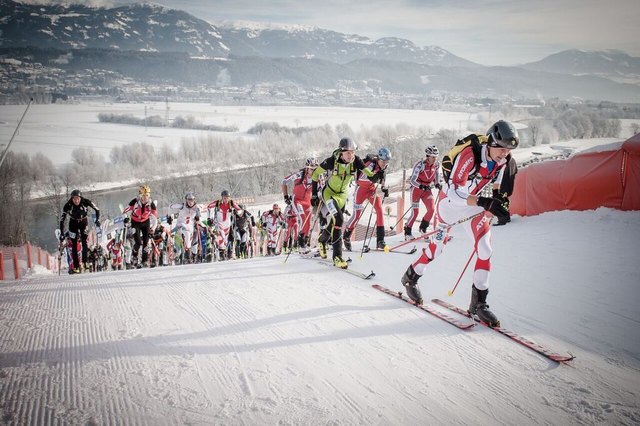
287 199
126 220
169 219
61 235
315 201
385 191
97 223
424 187
438 186
494 206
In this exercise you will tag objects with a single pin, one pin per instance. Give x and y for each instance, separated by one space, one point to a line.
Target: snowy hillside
261 342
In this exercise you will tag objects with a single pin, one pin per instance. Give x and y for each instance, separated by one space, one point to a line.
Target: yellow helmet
144 190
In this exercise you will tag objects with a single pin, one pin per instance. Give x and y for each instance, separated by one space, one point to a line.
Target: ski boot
322 250
337 250
380 244
424 224
339 262
479 309
346 238
407 233
410 282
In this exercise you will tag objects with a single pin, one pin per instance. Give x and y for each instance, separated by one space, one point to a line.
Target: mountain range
153 43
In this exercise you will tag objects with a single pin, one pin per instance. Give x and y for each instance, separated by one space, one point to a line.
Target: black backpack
476 142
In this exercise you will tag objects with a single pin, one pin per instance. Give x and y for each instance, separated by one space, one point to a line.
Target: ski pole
15 132
450 292
367 243
306 219
366 232
401 217
435 231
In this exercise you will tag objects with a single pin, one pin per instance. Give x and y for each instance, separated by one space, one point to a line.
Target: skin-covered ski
349 271
327 262
513 336
367 249
441 315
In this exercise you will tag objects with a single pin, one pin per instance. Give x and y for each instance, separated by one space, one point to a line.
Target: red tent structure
583 182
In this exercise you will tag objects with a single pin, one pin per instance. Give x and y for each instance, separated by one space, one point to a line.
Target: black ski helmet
76 193
347 144
225 193
503 134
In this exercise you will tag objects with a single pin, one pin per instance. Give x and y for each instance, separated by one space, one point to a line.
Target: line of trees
250 165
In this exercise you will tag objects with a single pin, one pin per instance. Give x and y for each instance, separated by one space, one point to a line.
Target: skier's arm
359 164
458 190
91 204
129 208
417 168
63 217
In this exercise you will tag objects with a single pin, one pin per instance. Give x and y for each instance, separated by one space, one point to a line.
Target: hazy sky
490 32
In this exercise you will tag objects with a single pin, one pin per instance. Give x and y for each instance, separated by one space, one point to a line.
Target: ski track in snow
262 342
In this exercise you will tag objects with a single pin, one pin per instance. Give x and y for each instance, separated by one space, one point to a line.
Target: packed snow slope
260 341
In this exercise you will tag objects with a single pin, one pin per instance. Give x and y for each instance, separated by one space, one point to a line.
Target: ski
358 274
60 249
443 316
315 254
367 249
513 336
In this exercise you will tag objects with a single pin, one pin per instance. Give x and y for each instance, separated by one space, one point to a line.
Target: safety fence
16 261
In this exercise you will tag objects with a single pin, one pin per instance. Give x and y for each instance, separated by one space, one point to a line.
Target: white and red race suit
220 216
301 187
423 174
469 175
186 221
366 190
272 222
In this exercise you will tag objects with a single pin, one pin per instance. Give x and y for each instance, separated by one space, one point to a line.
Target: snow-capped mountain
153 44
148 27
612 64
142 27
245 39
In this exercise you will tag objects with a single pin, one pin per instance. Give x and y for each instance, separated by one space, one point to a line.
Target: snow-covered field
56 130
258 342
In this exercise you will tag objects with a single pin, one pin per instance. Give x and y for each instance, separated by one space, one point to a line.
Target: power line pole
6 151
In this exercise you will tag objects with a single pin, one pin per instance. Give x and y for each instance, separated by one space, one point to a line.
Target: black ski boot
380 244
407 233
346 238
302 244
424 224
479 309
410 282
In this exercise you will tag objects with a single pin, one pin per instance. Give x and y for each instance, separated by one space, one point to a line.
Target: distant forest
254 165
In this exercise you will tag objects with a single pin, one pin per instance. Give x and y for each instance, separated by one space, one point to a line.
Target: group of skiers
319 192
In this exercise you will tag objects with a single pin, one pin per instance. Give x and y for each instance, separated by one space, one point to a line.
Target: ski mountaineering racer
366 191
341 169
474 162
77 208
426 175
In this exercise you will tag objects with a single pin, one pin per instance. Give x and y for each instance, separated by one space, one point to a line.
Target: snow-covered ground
258 342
